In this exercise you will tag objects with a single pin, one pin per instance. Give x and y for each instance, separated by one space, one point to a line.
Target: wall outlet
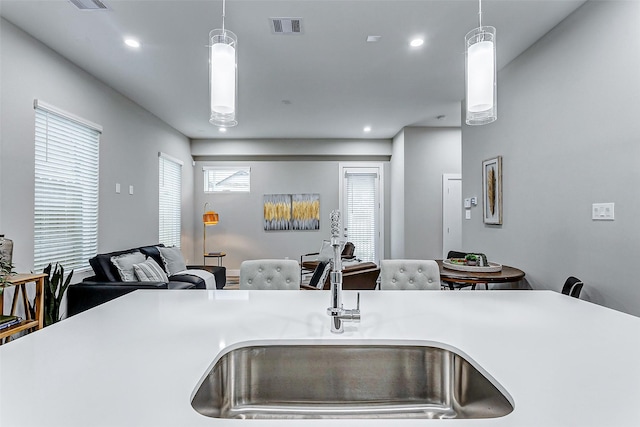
603 211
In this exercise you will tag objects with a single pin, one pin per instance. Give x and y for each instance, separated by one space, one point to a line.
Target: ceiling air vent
89 4
286 25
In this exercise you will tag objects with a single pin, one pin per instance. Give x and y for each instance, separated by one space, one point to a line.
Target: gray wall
277 167
129 148
428 153
568 132
240 231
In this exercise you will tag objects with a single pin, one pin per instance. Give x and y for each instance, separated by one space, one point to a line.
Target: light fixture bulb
367 129
481 76
416 42
223 76
132 42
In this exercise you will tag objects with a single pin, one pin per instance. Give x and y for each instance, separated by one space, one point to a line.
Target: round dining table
458 279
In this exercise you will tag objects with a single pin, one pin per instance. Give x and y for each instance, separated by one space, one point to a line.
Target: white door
451 213
361 208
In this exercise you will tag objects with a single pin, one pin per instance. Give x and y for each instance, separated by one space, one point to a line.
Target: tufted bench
270 274
409 274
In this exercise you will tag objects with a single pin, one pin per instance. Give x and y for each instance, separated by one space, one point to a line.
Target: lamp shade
210 218
480 81
223 78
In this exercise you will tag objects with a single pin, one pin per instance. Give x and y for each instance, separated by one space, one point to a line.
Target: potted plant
54 288
6 269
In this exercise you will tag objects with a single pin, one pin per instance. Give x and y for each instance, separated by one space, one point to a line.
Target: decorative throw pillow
326 251
173 260
150 271
124 263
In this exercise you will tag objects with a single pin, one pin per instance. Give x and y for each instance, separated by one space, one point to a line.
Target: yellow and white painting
291 212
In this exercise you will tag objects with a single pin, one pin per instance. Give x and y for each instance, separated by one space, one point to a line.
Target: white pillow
326 251
150 271
124 263
173 260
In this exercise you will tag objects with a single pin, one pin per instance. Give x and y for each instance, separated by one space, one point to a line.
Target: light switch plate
131 189
117 188
603 211
467 214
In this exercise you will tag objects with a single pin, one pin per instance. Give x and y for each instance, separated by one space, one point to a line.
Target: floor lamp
208 218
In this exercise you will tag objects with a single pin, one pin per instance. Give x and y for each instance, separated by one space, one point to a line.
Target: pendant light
480 79
223 76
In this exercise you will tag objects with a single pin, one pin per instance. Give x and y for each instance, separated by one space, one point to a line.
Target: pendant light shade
480 81
223 76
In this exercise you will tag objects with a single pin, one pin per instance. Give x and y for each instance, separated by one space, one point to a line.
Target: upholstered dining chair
409 274
269 274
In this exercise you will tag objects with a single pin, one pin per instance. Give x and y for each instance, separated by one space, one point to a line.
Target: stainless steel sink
295 381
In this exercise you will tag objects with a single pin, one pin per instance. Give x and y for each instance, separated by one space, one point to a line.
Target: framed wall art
291 212
492 190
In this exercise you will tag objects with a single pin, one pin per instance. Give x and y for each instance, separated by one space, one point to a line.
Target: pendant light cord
479 13
223 14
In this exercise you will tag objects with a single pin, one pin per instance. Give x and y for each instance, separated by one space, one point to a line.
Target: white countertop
136 361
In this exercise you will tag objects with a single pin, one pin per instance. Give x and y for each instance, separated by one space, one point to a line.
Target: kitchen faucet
336 311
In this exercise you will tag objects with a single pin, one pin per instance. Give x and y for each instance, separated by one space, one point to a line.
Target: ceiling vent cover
89 4
286 25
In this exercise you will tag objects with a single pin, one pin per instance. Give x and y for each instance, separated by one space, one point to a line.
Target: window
231 179
170 191
66 189
361 209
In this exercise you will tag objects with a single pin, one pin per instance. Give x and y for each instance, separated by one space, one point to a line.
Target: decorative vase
6 250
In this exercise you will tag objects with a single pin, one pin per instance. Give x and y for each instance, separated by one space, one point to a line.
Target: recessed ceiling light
416 42
367 129
132 42
223 130
373 39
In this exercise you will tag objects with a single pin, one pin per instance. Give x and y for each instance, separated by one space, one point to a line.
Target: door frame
446 177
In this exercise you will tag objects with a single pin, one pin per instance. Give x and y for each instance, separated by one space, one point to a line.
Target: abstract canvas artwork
291 212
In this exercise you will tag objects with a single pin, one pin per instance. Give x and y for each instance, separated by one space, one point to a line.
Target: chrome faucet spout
338 313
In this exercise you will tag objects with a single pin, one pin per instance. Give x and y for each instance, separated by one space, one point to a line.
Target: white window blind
66 189
361 215
170 190
229 179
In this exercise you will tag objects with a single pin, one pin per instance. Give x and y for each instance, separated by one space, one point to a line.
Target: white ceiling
335 81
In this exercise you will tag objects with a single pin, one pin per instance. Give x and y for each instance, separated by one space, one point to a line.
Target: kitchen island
136 360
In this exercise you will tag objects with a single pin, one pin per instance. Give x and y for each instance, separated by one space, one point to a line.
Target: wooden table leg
39 302
14 303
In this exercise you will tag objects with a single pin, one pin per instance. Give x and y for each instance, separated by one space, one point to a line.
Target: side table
19 281
218 255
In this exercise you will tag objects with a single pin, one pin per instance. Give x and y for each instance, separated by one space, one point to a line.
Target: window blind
230 179
170 191
66 189
361 214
